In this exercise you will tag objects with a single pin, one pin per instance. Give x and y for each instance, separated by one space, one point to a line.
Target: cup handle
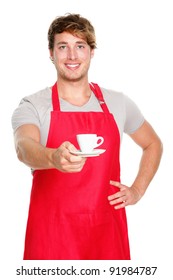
101 139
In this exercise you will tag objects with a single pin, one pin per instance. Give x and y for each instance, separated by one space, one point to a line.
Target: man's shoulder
43 95
110 94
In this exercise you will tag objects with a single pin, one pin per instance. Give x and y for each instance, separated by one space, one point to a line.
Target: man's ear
92 53
51 54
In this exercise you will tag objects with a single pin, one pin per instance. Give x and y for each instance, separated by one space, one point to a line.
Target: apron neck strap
55 98
94 87
97 91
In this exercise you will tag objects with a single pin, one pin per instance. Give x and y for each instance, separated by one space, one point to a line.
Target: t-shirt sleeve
133 116
25 113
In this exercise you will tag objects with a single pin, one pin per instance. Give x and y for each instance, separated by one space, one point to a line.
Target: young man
77 207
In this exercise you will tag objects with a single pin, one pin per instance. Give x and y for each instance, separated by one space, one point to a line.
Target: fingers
65 161
115 183
68 148
125 196
72 167
66 153
120 198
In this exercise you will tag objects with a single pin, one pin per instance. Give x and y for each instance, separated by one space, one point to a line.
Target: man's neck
75 92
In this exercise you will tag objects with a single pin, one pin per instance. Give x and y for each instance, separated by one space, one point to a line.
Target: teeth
72 65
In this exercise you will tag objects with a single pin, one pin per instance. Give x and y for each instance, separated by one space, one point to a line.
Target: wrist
50 154
138 191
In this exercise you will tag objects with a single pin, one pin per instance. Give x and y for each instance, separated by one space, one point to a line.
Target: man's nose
72 53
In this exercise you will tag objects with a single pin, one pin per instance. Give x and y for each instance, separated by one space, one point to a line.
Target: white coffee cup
87 142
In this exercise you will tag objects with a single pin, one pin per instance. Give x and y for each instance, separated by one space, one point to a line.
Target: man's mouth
72 66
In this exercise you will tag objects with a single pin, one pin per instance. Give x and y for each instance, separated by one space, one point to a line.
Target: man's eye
62 47
80 46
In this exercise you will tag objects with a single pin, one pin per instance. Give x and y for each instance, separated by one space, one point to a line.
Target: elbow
158 150
19 153
19 150
160 146
155 148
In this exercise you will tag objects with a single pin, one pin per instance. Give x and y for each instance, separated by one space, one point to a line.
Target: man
77 206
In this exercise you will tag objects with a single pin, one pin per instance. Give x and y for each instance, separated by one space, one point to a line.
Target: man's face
71 56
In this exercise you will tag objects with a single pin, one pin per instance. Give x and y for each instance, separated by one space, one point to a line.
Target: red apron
70 217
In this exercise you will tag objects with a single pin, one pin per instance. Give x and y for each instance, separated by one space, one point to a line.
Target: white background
135 56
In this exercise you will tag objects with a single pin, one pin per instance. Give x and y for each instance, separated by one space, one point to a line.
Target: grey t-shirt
36 108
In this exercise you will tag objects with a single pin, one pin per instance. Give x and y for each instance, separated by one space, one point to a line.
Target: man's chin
72 79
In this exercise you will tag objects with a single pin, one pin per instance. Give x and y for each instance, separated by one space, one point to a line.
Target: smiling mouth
72 66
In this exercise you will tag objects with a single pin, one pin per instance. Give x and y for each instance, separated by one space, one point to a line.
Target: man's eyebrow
62 43
66 43
81 42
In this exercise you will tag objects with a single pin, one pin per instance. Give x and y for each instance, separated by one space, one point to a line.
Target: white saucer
94 153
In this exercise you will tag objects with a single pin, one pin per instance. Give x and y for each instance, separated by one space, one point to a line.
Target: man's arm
151 145
32 153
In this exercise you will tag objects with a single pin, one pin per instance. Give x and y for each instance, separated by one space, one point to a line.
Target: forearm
151 145
148 167
34 154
